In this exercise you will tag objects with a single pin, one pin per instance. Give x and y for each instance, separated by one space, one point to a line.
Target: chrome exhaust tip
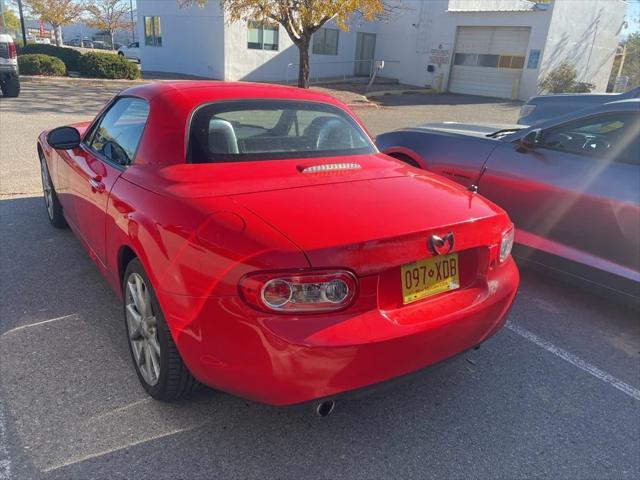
326 408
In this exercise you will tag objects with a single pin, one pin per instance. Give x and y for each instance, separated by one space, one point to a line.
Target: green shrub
69 56
562 79
38 64
107 65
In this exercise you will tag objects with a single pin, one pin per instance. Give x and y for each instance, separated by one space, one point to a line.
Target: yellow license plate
430 276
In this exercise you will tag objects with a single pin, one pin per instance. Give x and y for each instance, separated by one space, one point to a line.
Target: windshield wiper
504 131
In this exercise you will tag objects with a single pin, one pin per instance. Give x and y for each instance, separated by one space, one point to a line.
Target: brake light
13 53
299 292
506 244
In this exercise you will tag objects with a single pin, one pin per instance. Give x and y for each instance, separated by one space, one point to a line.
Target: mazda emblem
441 245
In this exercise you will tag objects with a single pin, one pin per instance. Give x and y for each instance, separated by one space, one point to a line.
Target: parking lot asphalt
556 394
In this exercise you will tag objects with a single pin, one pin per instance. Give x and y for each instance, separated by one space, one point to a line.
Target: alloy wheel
47 189
142 329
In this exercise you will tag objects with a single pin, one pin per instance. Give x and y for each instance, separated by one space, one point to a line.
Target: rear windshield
4 49
253 130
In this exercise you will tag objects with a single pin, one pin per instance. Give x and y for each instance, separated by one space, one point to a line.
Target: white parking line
31 325
75 461
576 361
5 461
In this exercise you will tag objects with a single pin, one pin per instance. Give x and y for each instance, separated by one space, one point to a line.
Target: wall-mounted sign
534 59
440 55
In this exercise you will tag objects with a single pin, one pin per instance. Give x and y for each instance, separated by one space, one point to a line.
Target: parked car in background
131 51
100 45
77 42
571 186
548 107
241 252
9 75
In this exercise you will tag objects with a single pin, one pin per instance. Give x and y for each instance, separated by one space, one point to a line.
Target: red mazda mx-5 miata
263 246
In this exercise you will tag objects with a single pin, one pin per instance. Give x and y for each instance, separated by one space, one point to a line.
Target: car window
609 136
117 135
271 129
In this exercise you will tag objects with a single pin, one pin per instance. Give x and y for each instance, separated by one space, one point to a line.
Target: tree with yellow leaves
300 18
55 12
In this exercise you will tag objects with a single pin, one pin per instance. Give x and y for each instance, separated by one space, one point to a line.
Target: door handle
96 185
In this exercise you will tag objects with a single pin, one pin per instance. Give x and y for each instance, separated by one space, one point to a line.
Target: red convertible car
261 244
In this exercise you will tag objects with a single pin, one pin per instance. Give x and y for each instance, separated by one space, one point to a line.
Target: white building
499 48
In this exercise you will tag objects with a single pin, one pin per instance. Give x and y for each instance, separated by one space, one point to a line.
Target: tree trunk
303 72
57 35
111 35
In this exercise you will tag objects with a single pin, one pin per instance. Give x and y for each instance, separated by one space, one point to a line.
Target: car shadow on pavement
76 409
56 97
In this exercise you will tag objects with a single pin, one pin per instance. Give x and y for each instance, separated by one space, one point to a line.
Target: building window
263 36
486 60
152 34
517 62
466 59
325 41
511 61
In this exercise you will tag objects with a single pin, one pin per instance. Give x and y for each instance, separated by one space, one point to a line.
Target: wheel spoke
137 351
147 302
148 363
142 308
135 322
155 346
134 295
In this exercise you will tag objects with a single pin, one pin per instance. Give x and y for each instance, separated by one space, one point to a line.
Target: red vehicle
261 244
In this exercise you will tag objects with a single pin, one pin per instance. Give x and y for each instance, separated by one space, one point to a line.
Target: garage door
488 60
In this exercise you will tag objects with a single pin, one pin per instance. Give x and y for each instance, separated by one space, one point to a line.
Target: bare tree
108 16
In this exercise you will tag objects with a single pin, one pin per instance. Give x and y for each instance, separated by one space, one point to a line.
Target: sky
633 18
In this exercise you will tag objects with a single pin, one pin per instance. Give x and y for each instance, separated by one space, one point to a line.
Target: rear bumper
279 361
8 71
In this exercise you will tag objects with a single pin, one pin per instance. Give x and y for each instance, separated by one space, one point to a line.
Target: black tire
121 54
174 380
11 87
55 215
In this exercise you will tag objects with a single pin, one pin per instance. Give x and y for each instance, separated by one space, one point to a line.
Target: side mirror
530 141
64 138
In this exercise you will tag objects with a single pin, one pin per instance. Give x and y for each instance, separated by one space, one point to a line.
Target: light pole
133 26
24 30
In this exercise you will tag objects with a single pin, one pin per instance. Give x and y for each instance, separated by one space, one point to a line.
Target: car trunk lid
375 224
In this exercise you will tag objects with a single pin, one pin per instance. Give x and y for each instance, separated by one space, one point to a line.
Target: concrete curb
81 81
382 93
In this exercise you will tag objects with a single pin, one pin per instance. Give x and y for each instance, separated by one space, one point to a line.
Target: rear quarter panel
457 157
191 247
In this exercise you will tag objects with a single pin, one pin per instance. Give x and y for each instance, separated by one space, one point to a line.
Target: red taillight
13 53
299 292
